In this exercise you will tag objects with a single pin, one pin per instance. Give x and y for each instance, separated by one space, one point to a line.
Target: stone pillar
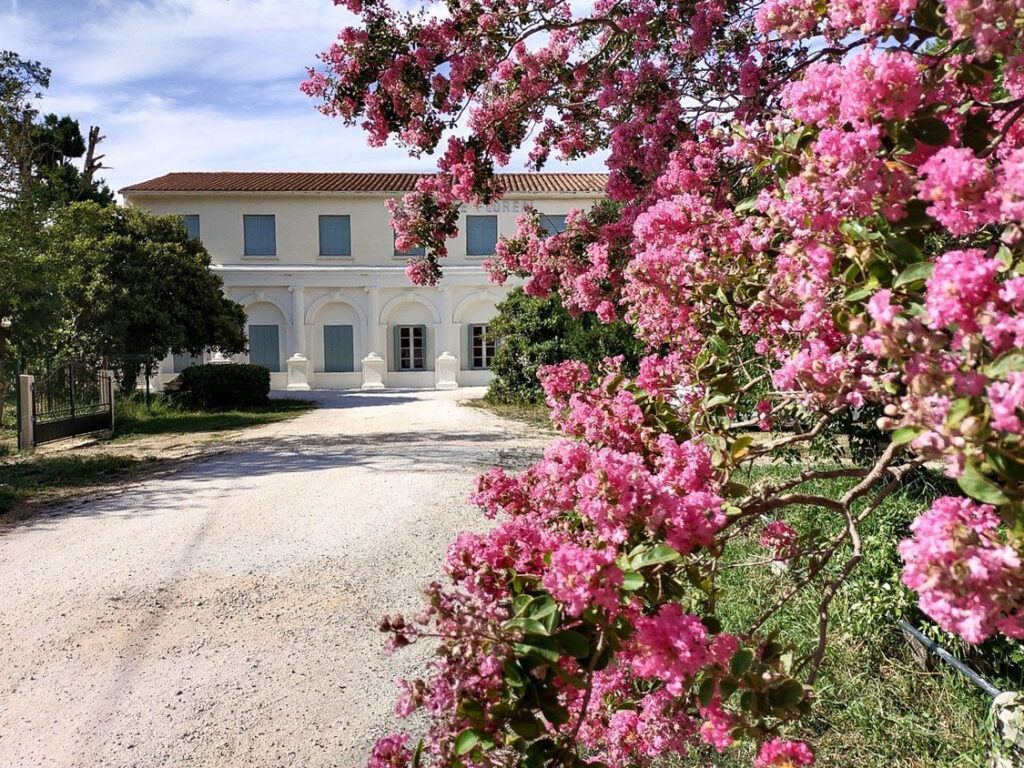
106 383
374 337
26 434
374 370
446 369
299 367
445 340
298 319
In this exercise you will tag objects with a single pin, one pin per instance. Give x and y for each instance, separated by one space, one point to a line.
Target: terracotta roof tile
231 181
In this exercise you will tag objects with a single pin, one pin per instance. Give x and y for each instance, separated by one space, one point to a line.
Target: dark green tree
135 287
532 332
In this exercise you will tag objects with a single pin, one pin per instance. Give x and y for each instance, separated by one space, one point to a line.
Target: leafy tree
824 200
135 288
533 332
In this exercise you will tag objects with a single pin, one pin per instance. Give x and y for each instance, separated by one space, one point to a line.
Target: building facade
312 259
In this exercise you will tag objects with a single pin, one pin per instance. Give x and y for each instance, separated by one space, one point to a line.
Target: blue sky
194 84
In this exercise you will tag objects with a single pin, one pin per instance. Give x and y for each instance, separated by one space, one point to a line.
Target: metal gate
72 399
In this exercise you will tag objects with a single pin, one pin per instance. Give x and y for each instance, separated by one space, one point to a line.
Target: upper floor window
192 225
481 235
260 235
552 225
335 236
418 251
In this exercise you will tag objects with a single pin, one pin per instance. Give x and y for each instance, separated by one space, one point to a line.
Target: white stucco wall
301 292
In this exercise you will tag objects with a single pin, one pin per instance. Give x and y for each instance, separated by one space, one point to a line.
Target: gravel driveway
226 615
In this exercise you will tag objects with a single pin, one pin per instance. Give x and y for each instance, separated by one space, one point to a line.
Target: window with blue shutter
552 225
192 225
481 347
335 236
185 360
418 251
410 347
338 356
260 235
481 235
264 346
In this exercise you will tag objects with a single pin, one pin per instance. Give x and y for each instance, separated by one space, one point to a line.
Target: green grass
534 415
133 418
876 707
23 480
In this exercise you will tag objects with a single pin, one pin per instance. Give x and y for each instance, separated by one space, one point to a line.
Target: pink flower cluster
670 646
579 578
780 538
969 580
783 754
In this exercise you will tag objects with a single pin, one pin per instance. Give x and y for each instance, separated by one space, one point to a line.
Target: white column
374 334
298 319
449 341
299 368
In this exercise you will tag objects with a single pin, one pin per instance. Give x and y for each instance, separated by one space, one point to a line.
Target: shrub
222 386
533 332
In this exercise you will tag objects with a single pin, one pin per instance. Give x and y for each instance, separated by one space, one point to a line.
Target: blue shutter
552 225
264 346
338 357
260 235
192 225
335 236
481 235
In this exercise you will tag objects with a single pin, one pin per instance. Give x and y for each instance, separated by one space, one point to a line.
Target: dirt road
226 615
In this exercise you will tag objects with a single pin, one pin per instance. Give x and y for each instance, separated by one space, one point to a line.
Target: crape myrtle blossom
813 218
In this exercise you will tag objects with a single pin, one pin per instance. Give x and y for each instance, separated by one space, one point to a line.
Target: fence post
106 381
25 411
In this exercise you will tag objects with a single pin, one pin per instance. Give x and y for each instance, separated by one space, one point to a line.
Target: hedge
223 386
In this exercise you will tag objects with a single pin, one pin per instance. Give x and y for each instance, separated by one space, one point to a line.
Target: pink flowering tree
813 213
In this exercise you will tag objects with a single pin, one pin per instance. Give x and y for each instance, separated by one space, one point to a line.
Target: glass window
481 347
335 236
185 360
260 235
264 346
418 251
338 357
410 347
481 235
192 225
552 225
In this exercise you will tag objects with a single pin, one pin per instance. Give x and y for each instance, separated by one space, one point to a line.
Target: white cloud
196 84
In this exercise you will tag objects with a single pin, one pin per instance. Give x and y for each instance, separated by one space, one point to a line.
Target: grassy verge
534 415
876 707
133 418
23 480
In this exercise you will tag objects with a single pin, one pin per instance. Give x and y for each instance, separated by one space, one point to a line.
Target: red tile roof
231 181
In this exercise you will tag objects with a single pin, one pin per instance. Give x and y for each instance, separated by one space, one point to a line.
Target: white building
311 257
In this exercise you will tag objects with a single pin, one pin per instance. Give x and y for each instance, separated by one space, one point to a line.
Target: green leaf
573 643
542 652
741 662
929 130
417 755
1008 362
915 272
632 581
746 205
527 728
706 692
787 695
740 447
542 607
659 553
979 487
904 250
465 741
528 626
904 435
